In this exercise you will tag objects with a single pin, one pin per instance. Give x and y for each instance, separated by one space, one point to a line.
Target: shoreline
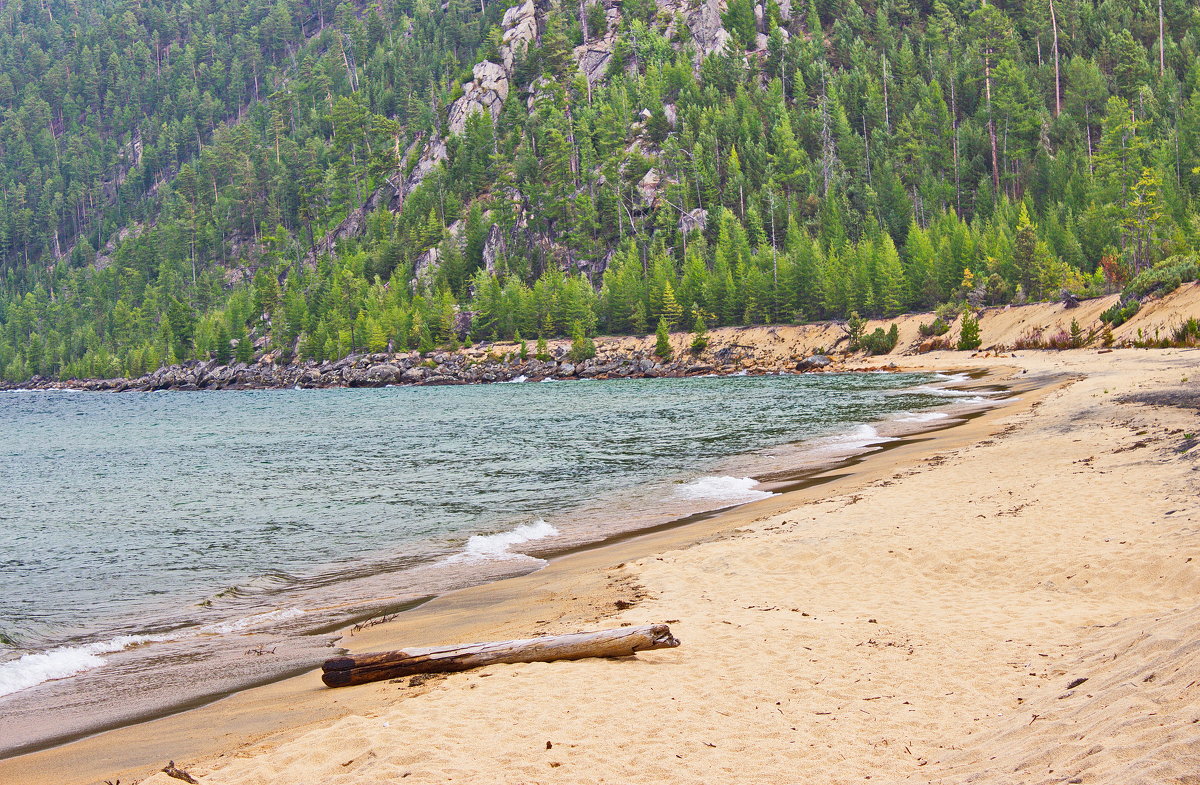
751 350
79 706
816 466
813 483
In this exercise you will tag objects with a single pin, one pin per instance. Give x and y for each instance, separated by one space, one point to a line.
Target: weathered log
621 642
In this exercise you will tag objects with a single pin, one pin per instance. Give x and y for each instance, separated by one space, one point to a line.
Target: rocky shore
479 365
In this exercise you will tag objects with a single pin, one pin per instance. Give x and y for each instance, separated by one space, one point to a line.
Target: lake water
167 530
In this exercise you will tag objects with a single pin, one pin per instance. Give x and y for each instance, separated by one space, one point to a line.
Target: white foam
516 379
945 392
490 547
253 622
548 379
922 416
33 669
724 488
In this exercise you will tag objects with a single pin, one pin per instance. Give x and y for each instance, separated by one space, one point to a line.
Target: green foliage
937 327
880 342
541 352
969 337
854 327
699 334
1119 312
170 171
1078 338
662 344
1165 277
1188 333
582 346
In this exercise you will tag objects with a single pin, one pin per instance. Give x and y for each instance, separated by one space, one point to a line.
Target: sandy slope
925 627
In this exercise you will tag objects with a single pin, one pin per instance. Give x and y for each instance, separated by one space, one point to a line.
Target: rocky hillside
414 176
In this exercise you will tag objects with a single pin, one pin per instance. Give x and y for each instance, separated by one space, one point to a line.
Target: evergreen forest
202 179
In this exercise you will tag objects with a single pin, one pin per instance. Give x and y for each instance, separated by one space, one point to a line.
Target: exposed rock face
704 22
594 55
390 194
693 220
520 27
814 362
648 187
494 247
491 82
486 92
463 320
426 264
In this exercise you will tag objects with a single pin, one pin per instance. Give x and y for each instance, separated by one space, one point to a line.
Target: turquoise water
163 514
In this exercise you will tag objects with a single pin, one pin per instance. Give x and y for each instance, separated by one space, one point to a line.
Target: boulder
813 363
384 373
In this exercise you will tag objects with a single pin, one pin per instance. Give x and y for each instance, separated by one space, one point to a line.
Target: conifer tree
969 337
582 346
662 344
699 334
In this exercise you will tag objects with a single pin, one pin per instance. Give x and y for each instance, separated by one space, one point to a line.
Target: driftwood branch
621 642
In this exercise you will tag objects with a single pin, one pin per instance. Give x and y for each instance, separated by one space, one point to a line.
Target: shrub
969 338
542 352
1031 339
1078 339
947 312
700 334
880 342
1059 341
582 347
1164 277
1188 333
936 327
1119 313
854 327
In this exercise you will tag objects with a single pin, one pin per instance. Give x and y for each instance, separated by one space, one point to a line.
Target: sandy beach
925 616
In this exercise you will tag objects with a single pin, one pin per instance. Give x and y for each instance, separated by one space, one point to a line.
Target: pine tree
582 346
671 310
969 338
699 334
662 345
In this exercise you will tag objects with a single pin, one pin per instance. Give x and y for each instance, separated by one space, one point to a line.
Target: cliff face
494 82
491 84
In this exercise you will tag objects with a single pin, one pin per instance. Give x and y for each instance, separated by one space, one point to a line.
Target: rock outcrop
485 93
491 82
391 194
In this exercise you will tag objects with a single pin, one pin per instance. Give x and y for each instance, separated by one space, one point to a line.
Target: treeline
848 156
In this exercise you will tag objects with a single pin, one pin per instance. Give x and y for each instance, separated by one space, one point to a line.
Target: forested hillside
226 180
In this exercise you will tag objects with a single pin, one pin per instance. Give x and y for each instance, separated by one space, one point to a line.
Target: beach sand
924 616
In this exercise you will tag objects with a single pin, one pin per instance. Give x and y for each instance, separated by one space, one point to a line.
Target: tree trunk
621 642
1057 77
1162 55
987 84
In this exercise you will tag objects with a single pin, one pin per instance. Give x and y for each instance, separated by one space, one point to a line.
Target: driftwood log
621 642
